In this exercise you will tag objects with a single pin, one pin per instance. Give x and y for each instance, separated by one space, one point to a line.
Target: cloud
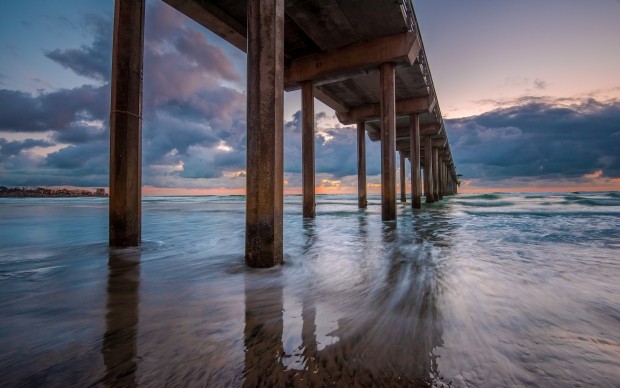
540 84
193 101
91 61
595 175
10 149
58 110
335 148
539 138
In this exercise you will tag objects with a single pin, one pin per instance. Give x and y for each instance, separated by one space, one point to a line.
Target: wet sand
456 295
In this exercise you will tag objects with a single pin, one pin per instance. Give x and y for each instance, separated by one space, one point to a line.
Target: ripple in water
461 293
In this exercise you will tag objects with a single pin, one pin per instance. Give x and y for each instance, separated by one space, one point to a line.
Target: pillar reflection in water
119 347
308 312
264 326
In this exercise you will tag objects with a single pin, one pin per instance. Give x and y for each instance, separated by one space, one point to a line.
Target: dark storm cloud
539 137
194 46
89 61
13 148
193 104
335 148
54 111
86 159
188 111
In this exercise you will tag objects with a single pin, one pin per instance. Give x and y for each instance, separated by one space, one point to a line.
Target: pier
365 59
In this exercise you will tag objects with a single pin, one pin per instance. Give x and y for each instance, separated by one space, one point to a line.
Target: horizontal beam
372 111
425 130
330 102
398 49
402 144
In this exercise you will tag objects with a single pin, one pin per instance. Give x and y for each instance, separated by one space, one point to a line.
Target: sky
530 91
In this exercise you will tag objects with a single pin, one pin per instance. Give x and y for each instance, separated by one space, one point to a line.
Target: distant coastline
39 192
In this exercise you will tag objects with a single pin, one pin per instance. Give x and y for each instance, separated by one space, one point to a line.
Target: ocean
475 290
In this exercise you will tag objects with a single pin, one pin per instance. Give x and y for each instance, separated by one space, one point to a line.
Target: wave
613 194
490 196
542 213
487 204
571 200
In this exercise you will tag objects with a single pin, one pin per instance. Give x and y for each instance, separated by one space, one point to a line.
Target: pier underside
363 58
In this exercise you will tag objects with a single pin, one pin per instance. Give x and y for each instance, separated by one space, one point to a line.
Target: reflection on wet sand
119 346
384 337
263 330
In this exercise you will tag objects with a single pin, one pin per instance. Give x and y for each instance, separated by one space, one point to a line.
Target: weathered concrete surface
125 209
414 156
428 169
388 143
307 149
362 198
264 217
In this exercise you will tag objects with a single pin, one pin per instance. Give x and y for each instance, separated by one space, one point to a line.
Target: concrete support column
428 169
362 198
456 185
445 179
440 184
388 142
435 170
307 148
414 145
403 179
264 203
125 209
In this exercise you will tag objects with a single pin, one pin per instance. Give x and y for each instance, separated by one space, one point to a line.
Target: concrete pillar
264 200
362 198
435 173
414 145
388 143
428 169
307 148
125 208
445 178
440 182
403 180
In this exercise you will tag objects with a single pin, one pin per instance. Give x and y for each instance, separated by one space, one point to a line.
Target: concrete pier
428 170
307 148
125 211
414 156
362 198
388 143
435 170
264 201
364 59
403 179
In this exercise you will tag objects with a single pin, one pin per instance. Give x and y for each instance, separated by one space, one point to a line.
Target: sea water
475 290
